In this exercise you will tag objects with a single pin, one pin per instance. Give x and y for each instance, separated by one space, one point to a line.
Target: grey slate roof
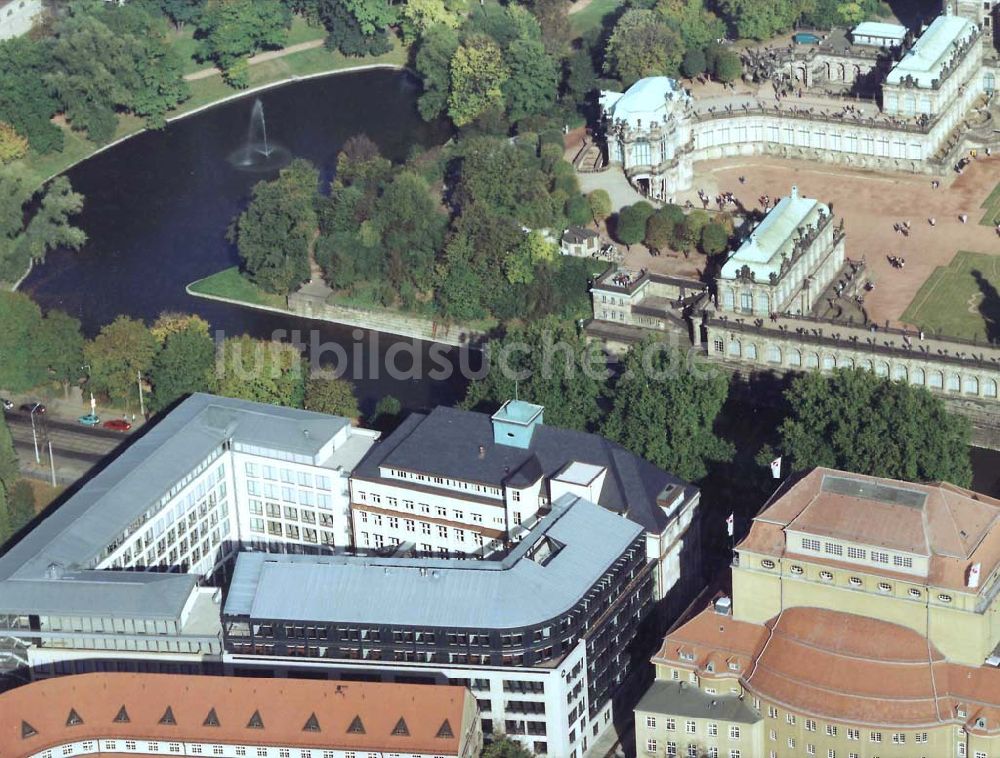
631 487
686 700
511 593
91 518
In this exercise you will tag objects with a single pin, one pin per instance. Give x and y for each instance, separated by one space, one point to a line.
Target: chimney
482 452
795 192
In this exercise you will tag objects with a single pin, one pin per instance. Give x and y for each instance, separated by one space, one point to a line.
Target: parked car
8 405
117 425
89 420
33 408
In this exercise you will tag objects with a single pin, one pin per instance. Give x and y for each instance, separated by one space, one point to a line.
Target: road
75 447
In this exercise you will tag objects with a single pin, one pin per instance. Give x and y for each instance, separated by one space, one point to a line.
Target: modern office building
116 570
543 637
194 716
456 482
863 623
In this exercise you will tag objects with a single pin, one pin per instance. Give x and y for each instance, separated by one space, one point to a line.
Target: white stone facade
18 16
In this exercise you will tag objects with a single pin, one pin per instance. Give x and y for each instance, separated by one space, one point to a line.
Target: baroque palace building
656 131
194 716
864 623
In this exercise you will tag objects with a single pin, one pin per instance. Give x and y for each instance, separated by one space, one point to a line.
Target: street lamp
34 434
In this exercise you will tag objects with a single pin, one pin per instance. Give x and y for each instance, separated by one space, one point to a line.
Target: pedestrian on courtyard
932 222
964 218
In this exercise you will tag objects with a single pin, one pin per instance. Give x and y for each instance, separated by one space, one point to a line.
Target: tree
502 746
687 235
334 396
411 229
697 26
433 62
664 406
9 468
752 19
478 74
57 347
641 45
274 233
20 504
417 16
553 17
577 210
728 66
261 371
185 362
346 34
20 317
533 82
714 238
600 205
12 144
119 356
857 421
24 105
386 414
580 78
694 62
230 30
631 226
181 12
659 232
548 363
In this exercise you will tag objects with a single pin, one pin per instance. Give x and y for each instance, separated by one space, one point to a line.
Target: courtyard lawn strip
951 302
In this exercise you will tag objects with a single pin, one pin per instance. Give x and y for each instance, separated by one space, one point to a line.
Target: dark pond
158 206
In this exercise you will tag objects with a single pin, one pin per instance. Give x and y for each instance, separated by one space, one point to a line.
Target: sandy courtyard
870 204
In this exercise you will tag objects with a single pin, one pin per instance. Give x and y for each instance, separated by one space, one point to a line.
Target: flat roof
48 569
932 51
511 593
879 29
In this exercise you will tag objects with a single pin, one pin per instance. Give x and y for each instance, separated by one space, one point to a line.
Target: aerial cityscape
498 379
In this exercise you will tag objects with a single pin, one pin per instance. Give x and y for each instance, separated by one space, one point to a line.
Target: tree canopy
856 421
332 395
664 404
275 232
230 30
640 45
547 363
185 362
261 371
120 357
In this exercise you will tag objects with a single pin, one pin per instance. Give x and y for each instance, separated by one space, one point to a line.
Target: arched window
773 354
899 372
763 303
917 377
935 380
954 383
751 352
866 364
794 358
829 363
729 300
746 302
734 347
970 386
847 363
812 360
882 369
989 388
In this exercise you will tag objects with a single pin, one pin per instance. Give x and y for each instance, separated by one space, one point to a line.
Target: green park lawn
232 285
590 17
187 46
992 206
951 302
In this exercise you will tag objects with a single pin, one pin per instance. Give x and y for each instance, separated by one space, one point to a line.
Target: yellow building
863 624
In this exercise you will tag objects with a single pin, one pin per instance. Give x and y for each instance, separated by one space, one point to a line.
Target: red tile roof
225 710
955 527
842 667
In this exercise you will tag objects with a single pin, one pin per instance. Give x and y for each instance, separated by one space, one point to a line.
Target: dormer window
944 598
884 587
767 563
855 581
797 570
826 576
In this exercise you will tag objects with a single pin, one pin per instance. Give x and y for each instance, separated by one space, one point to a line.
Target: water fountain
259 154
